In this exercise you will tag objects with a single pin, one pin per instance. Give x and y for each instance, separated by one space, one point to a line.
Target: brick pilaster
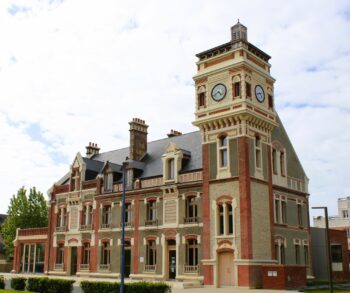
207 269
245 198
271 201
136 233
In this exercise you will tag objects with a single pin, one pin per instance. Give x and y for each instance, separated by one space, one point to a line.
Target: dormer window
223 151
274 161
108 182
282 163
171 171
75 180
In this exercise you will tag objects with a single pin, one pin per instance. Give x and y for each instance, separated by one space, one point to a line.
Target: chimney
138 139
92 149
174 133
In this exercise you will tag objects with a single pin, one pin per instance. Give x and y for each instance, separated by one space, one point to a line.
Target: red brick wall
245 199
249 276
340 237
288 277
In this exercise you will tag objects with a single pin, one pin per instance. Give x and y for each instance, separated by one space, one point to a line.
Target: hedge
2 282
47 285
18 283
137 287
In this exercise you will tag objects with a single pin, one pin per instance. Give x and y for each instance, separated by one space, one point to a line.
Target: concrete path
175 285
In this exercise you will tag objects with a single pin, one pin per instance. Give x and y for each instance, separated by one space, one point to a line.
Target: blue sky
77 71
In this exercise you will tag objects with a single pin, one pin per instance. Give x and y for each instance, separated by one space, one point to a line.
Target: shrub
46 285
2 282
137 287
18 283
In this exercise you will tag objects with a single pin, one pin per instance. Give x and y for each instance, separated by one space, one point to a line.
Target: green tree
23 212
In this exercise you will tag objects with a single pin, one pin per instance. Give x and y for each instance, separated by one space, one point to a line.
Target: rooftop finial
238 20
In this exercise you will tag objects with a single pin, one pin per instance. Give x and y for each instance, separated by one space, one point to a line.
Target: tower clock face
259 93
218 92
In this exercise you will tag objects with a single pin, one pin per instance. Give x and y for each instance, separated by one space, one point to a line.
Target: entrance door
225 269
73 260
172 264
28 258
127 263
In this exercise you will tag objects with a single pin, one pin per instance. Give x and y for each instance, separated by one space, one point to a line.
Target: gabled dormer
77 173
173 160
110 174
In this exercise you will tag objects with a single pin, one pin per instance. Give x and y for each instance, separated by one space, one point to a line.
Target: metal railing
106 226
150 268
104 267
191 269
127 224
151 222
85 227
84 267
191 220
61 229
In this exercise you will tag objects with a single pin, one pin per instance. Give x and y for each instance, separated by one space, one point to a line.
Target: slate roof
151 163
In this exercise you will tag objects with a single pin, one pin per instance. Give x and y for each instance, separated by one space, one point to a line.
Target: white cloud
80 70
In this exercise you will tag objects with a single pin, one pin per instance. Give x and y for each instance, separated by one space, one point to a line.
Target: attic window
171 169
108 182
75 180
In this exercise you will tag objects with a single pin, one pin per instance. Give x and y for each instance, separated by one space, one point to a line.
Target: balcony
150 268
191 220
85 227
104 267
151 222
127 224
59 266
61 229
191 269
106 226
84 267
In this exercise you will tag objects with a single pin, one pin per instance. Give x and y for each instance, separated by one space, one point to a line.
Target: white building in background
339 222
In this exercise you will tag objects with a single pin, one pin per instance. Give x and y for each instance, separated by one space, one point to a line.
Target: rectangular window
297 254
257 152
345 214
274 161
337 254
171 169
306 255
236 89
223 151
201 99
282 163
191 252
248 90
86 254
60 254
191 209
230 218
151 210
106 254
107 215
300 214
284 212
108 182
151 253
277 210
221 219
283 254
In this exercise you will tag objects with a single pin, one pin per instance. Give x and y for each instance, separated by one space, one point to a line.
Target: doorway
225 271
172 259
74 261
32 258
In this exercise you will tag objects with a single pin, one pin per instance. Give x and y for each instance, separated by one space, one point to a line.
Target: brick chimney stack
174 133
92 149
138 139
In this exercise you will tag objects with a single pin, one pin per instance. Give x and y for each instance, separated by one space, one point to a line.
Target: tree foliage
23 212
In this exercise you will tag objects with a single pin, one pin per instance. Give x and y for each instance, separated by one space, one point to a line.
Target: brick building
340 221
226 205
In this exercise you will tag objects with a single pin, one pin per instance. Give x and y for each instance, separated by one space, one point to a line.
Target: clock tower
235 114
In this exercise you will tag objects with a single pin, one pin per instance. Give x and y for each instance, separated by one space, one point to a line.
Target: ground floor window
32 258
86 254
106 254
191 252
60 254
